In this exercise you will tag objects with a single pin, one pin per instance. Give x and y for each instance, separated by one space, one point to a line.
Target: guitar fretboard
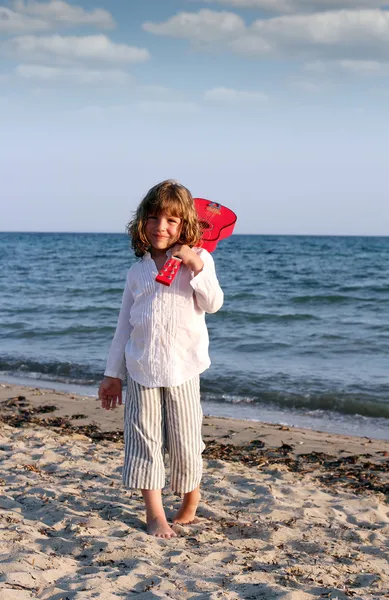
169 271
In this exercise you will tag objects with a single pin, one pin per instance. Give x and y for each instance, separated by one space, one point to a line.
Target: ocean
302 338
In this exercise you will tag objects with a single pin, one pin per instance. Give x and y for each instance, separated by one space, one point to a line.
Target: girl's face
162 231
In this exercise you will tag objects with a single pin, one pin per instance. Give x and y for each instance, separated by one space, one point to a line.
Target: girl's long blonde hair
170 197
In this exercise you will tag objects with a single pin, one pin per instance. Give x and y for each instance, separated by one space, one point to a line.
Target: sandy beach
286 513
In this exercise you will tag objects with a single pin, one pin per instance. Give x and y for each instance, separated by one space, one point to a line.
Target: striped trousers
159 419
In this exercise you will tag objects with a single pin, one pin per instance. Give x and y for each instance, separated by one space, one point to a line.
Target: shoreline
83 414
331 423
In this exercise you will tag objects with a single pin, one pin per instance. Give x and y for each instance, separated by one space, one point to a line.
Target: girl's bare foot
157 524
188 508
159 527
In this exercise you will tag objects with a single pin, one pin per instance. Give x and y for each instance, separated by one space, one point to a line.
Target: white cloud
295 6
229 97
203 26
29 17
13 22
46 74
343 34
168 108
251 45
65 48
366 67
60 12
341 28
369 67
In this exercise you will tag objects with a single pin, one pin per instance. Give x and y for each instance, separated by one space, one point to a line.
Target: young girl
161 341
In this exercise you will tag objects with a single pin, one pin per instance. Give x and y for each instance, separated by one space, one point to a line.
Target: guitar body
216 222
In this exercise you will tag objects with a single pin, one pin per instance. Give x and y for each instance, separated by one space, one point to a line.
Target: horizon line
233 235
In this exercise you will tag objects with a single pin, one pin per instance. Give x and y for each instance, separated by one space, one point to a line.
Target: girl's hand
189 258
110 392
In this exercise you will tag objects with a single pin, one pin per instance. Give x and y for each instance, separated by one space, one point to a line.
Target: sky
278 109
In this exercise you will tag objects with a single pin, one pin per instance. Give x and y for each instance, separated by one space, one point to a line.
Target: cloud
67 48
203 26
13 22
368 67
324 29
29 17
296 6
337 33
359 67
231 97
342 34
168 108
46 74
60 12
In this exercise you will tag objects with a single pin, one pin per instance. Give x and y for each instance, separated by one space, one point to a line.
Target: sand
286 513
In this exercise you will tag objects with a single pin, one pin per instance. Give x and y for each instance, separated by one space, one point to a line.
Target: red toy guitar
216 222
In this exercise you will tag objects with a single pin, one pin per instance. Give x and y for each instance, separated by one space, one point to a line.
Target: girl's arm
209 295
116 362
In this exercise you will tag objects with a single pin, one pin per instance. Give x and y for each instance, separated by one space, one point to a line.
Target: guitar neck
169 271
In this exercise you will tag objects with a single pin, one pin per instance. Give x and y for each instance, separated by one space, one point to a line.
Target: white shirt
161 335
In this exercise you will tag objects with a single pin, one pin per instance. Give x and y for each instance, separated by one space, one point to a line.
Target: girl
161 340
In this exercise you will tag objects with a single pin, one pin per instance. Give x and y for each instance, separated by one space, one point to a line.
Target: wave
242 316
328 299
85 292
378 289
20 331
259 346
63 372
59 311
304 397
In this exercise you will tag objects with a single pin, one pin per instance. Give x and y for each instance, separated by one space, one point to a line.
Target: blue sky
276 108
